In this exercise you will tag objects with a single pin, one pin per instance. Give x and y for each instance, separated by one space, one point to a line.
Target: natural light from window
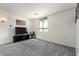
43 26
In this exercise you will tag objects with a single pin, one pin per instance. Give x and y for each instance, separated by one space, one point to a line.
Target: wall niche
20 22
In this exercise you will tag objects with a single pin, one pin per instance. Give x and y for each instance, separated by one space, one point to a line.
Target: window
43 26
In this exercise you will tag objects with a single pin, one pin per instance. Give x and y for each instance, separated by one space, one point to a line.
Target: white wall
29 25
77 41
61 28
7 32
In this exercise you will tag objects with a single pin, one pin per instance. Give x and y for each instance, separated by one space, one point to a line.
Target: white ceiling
27 10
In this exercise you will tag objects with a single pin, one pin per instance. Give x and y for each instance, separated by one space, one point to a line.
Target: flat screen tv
20 30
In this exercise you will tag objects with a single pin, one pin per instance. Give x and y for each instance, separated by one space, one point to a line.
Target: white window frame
43 29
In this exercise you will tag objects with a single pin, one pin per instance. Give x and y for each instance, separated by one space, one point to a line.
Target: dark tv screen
20 30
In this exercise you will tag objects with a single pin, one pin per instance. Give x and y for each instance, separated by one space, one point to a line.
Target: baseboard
54 43
6 43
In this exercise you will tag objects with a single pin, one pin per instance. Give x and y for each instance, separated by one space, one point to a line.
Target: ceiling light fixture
35 13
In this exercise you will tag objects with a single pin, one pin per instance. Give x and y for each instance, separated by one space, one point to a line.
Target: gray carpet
35 47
